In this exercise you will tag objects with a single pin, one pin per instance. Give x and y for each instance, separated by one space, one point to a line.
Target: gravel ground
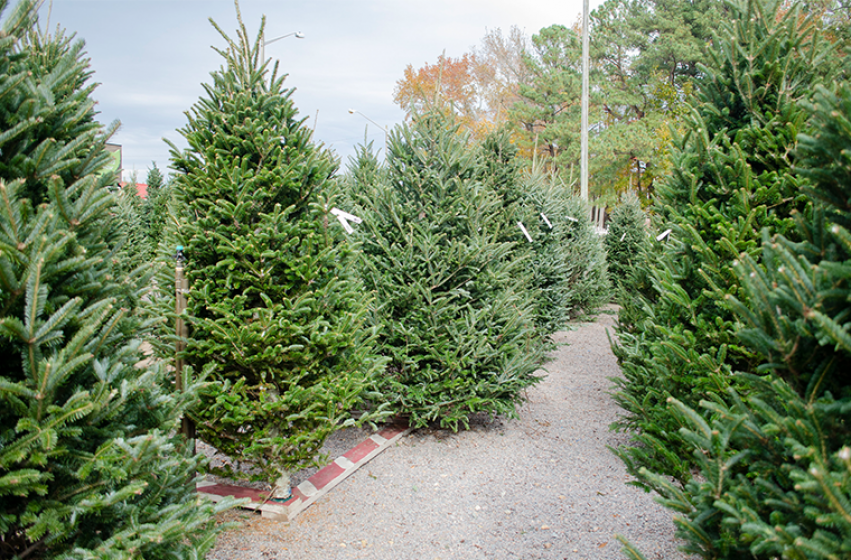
542 486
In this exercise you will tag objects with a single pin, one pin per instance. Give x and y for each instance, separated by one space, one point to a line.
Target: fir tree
585 255
456 313
627 233
128 231
275 314
774 459
546 258
564 260
155 208
89 467
732 178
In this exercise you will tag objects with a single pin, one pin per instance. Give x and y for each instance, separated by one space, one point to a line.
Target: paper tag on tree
344 218
546 220
526 233
663 235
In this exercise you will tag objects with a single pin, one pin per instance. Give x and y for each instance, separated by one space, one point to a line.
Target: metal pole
353 111
181 286
583 192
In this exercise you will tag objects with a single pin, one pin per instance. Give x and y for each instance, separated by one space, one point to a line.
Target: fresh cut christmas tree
774 459
90 466
626 236
275 314
456 311
732 178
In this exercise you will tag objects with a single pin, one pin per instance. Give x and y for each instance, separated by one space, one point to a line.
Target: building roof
141 189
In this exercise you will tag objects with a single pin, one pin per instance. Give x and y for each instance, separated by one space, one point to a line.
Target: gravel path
542 486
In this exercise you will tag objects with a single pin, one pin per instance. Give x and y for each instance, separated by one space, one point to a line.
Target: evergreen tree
500 171
89 467
455 310
584 253
127 230
155 208
547 114
626 236
731 179
564 259
774 460
275 314
546 259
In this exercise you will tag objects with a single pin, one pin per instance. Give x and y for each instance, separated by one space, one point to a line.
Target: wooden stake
181 286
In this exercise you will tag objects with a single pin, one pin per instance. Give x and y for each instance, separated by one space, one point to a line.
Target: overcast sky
150 57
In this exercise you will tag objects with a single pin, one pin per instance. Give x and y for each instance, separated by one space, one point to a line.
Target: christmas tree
732 177
274 311
626 236
89 465
455 309
774 458
155 207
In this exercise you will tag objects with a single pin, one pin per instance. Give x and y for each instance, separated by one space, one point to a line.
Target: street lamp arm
297 34
353 111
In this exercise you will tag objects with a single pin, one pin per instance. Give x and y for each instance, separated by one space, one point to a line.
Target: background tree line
645 57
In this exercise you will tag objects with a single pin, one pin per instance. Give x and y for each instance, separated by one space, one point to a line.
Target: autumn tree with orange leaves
479 87
448 85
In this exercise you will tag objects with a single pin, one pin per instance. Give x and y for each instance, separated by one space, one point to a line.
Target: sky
151 57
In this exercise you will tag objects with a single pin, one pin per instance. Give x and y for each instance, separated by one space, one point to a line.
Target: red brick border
317 485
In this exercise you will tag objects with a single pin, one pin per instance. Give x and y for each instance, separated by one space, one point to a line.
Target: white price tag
526 233
344 218
546 220
572 219
663 235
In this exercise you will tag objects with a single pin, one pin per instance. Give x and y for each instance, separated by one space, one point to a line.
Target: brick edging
317 485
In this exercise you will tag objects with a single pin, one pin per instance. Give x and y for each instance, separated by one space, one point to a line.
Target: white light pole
353 111
263 43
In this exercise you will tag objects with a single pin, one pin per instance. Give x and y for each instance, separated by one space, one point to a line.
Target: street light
296 34
353 111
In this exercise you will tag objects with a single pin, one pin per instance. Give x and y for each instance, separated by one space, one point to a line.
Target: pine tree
455 311
275 313
89 467
547 112
731 178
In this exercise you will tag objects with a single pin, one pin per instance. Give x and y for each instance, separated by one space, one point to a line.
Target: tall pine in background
456 309
731 179
89 464
274 312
